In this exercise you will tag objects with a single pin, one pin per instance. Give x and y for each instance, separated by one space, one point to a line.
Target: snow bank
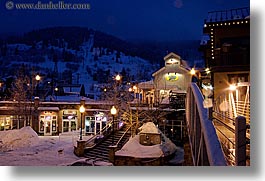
133 148
14 139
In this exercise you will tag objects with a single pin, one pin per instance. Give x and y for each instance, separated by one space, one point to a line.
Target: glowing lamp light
118 77
82 109
192 71
130 89
113 110
232 87
37 77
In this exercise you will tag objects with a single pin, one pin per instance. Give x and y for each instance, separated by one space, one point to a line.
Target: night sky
127 19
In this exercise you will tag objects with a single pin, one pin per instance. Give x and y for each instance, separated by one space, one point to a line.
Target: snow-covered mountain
86 65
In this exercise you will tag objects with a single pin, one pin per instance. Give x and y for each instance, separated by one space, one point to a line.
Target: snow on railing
205 146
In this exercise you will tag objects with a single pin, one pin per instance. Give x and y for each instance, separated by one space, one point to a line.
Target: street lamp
192 71
113 112
37 79
82 110
118 77
56 91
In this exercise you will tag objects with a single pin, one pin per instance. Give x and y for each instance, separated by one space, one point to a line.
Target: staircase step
101 150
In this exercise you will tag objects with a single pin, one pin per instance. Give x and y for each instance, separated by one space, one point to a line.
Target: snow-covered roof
168 69
146 85
171 55
228 14
149 127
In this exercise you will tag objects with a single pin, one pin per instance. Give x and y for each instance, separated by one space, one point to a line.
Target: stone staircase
101 150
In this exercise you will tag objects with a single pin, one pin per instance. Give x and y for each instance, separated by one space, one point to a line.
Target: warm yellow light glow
205 25
134 87
37 77
192 71
118 77
82 109
172 76
56 89
130 89
113 110
232 87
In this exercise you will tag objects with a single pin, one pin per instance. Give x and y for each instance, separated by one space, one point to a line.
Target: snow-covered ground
25 148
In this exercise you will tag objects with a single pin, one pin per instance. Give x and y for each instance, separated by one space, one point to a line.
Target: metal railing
119 143
206 149
228 108
106 131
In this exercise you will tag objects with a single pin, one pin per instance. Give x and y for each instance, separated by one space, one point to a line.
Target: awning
48 109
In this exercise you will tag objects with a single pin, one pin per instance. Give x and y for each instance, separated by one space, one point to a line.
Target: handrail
205 146
118 142
105 129
218 118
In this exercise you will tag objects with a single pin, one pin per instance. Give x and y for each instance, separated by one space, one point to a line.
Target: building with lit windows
54 118
226 48
173 77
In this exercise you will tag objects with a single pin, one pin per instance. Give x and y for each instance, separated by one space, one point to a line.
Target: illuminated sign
172 76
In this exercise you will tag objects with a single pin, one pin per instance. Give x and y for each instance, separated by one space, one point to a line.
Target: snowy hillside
88 65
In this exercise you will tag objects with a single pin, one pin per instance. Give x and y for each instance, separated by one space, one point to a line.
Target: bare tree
22 94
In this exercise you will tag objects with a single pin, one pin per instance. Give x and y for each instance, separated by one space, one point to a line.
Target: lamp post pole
82 110
113 129
37 86
113 111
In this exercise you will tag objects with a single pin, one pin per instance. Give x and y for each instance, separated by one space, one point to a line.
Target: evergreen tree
82 91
